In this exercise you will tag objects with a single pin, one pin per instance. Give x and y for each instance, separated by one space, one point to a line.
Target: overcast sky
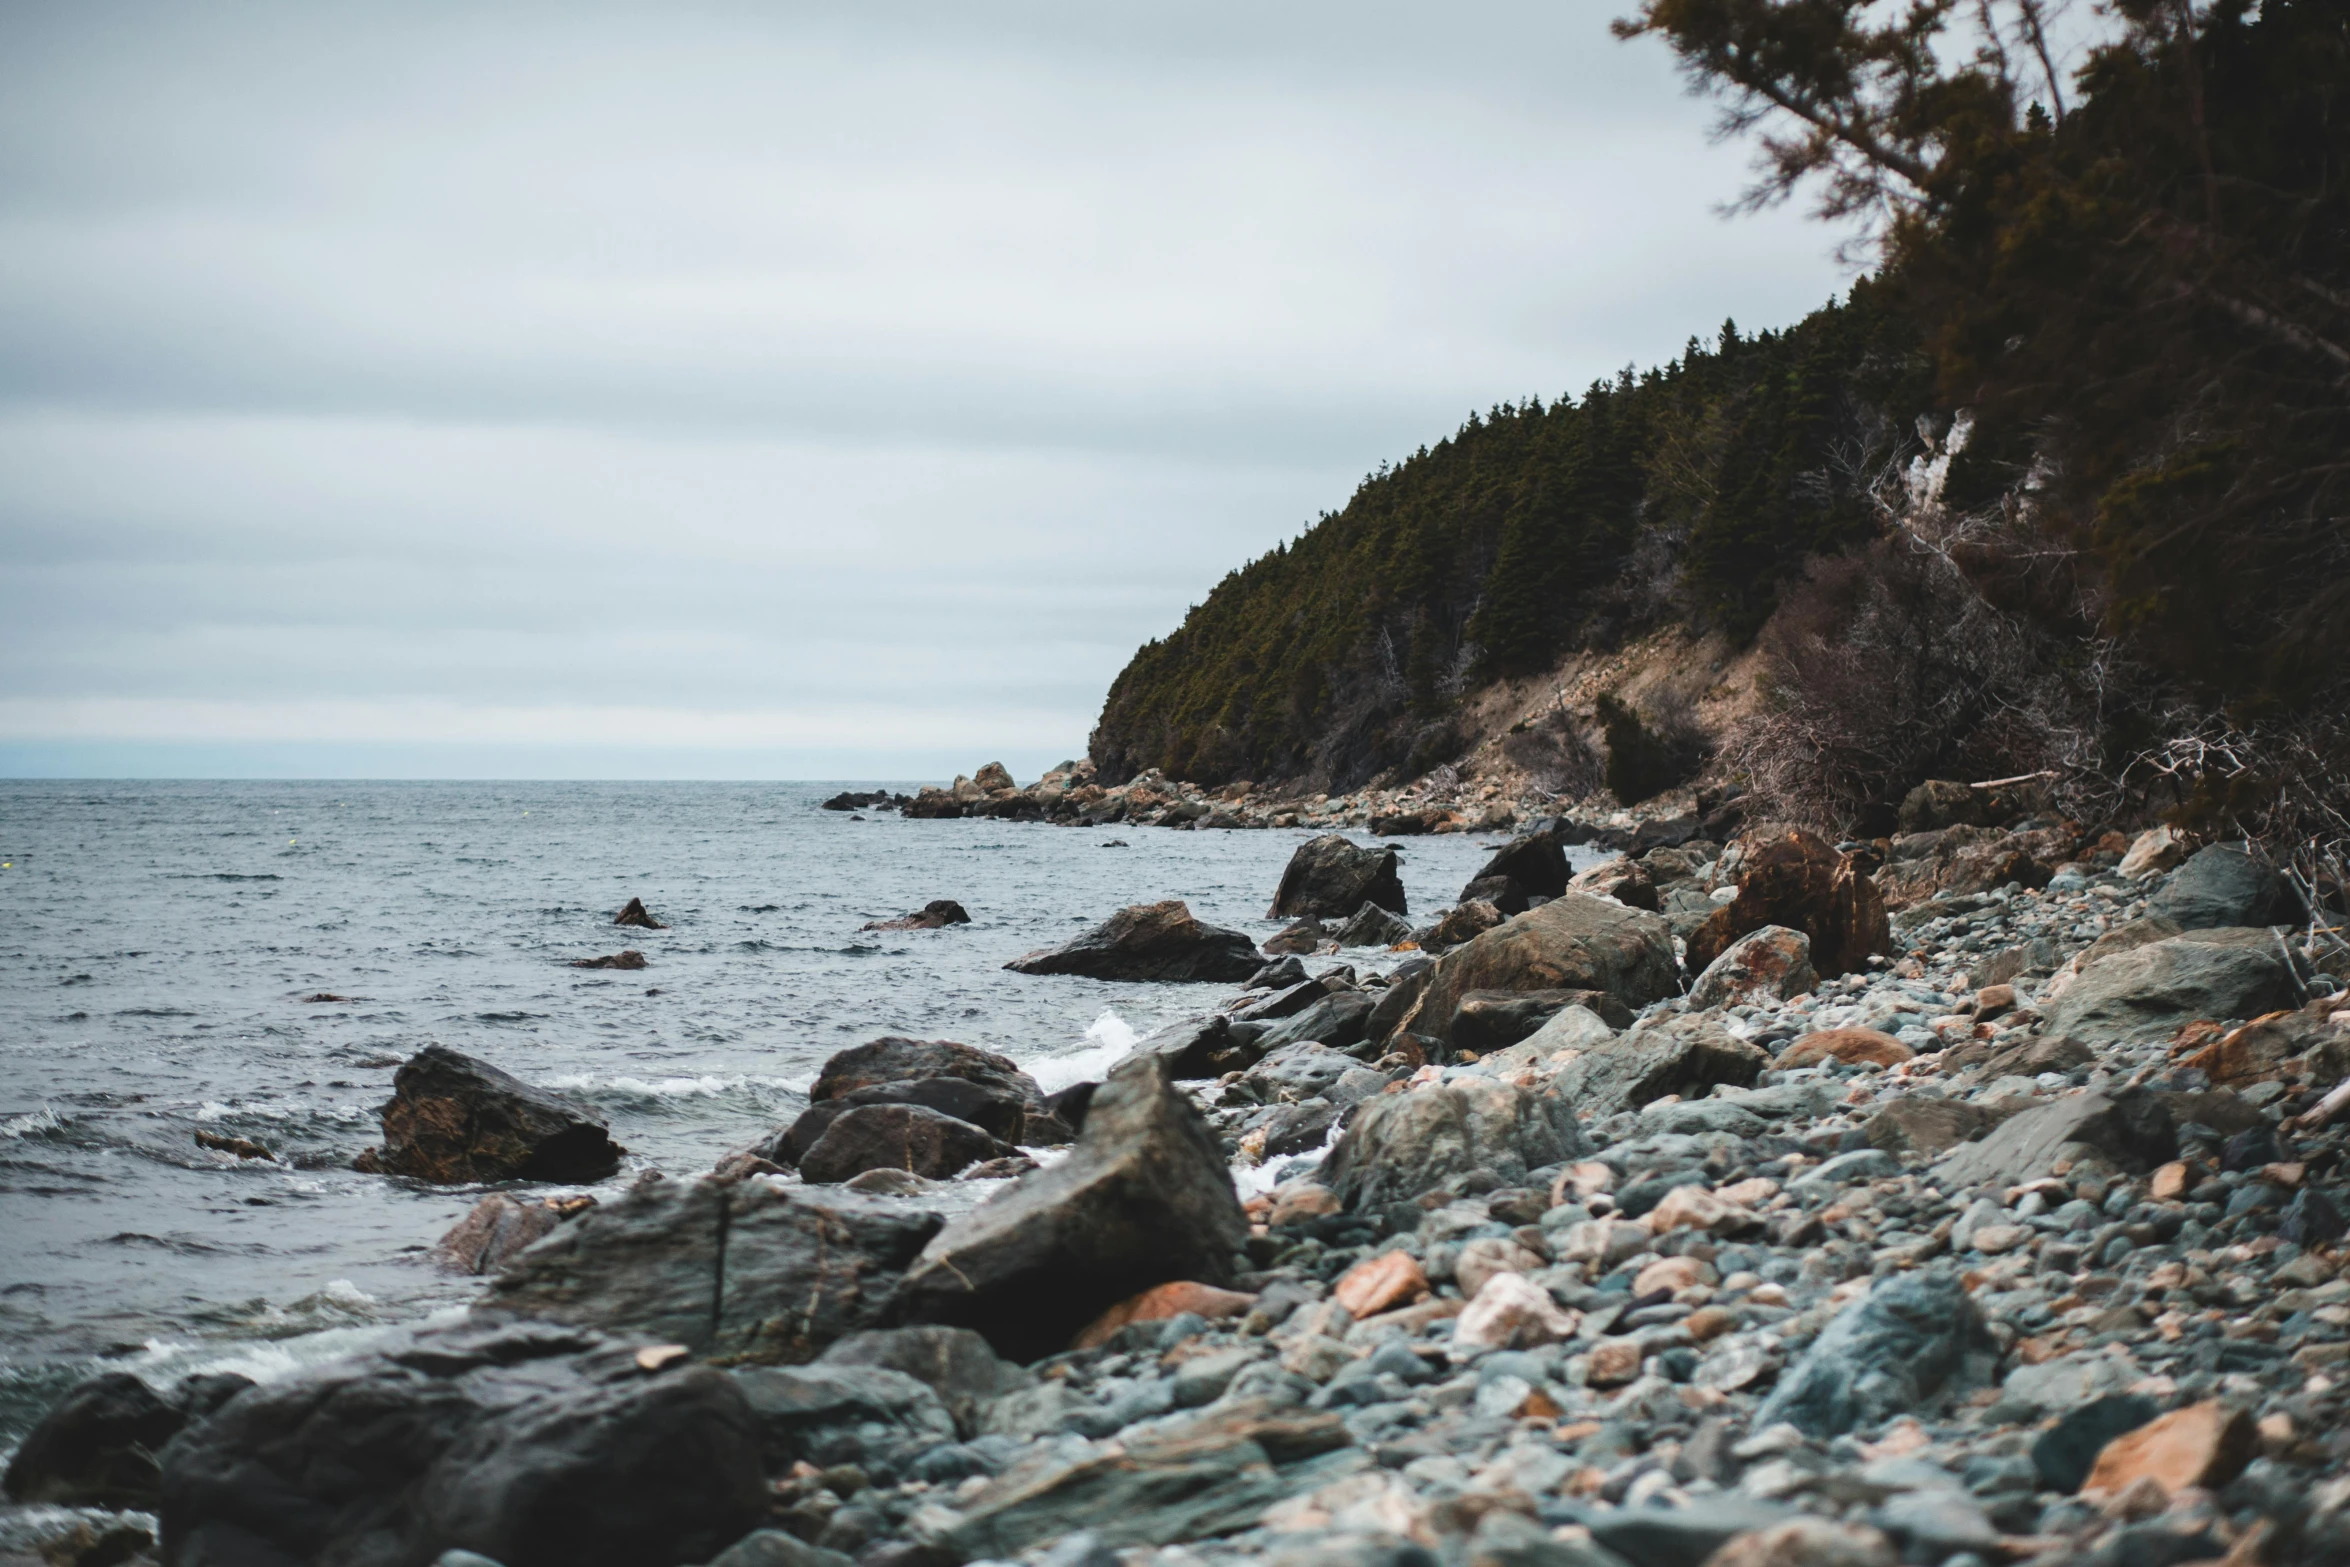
765 390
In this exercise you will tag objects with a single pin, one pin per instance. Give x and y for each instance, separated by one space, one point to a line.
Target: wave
37 1123
1107 1040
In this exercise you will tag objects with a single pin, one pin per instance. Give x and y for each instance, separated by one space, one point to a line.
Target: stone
1461 924
2223 885
2152 852
1000 1112
1331 877
937 914
531 1444
954 1363
1850 1046
1505 895
1491 1020
630 959
1144 1198
1912 1338
1624 881
497 1228
881 1071
1338 1020
453 1119
1482 1258
747 1270
825 1415
2132 1128
2065 1453
2204 1445
1298 937
1199 1047
767 1548
1672 1275
96 1446
1302 1070
1939 802
1806 1542
1150 941
1680 1054
636 915
1770 964
1680 1536
2141 996
1695 1208
1798 881
1373 926
1381 1283
1399 1146
1572 942
1862 1164
1160 1303
2264 1050
908 1137
1534 863
1511 1311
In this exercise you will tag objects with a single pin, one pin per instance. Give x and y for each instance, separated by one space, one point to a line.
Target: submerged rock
937 914
1150 941
635 914
630 959
499 1227
1145 1197
453 1118
1330 878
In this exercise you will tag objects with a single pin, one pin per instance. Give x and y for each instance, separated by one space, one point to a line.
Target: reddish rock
937 914
630 959
1799 881
2204 1445
636 915
1512 1312
1770 964
1852 1046
1159 1303
1380 1283
1615 1362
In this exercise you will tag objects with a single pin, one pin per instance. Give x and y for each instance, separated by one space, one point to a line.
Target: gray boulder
1573 942
1150 941
1490 1020
1914 1338
533 1445
96 1446
1197 1047
2224 885
2142 995
884 1071
2130 1130
955 1363
1330 878
1373 926
870 1416
1143 1199
1400 1146
453 1118
744 1269
1299 1071
909 1137
1337 1020
1682 1054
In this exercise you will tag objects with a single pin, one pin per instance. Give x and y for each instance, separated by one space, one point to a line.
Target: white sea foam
1107 1039
32 1124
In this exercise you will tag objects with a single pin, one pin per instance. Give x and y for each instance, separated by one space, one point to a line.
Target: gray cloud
812 377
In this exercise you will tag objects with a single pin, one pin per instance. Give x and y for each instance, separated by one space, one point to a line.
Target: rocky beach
1972 1195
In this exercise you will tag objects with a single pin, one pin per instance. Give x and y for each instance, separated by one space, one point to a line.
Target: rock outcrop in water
636 914
1150 941
1331 878
937 914
452 1118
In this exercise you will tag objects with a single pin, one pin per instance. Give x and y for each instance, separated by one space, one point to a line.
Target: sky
766 390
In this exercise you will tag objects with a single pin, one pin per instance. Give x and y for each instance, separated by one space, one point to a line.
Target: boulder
2142 995
871 1416
498 1228
1199 1047
1490 1020
2152 852
1576 1028
1144 1197
1150 941
636 915
1504 894
1770 964
1939 802
1627 881
894 1061
993 778
452 1118
1463 923
1682 1054
1851 1046
747 1270
1800 882
1400 1146
96 1446
1163 1303
937 914
533 1445
997 1110
2063 1455
1394 1004
1534 865
1301 1070
954 1363
1331 878
1338 1020
2203 1446
909 1137
1572 942
2223 885
2130 1129
1296 938
1911 1339
1373 926
631 959
1922 1128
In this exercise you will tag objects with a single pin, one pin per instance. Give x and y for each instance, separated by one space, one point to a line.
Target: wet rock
2205 1445
2224 886
1337 1020
1404 989
236 1147
1001 1112
1770 964
1373 926
908 1137
1302 1070
1534 864
1800 882
1331 878
636 915
1144 1198
2142 995
1299 1128
2131 1129
743 1269
452 1118
1150 941
1491 1020
1298 937
937 914
1912 1339
868 1415
954 1363
498 1228
1200 1047
1570 943
1851 1046
96 1446
2065 1453
630 959
1681 1054
1401 1145
1160 1303
532 1445
893 1061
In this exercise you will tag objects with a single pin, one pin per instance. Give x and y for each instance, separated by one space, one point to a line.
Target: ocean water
159 941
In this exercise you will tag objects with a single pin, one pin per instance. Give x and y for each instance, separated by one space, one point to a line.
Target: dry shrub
1887 667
